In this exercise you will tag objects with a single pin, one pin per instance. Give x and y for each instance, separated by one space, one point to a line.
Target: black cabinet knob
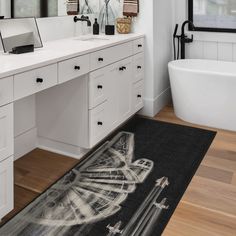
124 68
100 59
139 96
77 67
99 86
140 45
121 68
39 80
139 67
100 123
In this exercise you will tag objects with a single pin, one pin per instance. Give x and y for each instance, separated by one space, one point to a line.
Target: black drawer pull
100 123
139 67
100 59
77 67
140 45
39 80
139 96
124 68
121 68
99 87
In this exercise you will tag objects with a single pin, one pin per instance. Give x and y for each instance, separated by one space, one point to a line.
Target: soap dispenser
96 27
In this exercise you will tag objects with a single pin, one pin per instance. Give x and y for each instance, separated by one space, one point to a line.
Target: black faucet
184 39
83 18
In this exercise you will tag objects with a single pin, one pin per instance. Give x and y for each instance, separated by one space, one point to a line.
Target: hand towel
131 8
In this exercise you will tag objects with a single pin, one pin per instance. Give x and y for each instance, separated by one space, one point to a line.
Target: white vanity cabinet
115 93
6 186
34 81
82 94
6 131
73 68
6 146
113 96
6 90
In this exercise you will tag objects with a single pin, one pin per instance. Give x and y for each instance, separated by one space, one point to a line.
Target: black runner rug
130 186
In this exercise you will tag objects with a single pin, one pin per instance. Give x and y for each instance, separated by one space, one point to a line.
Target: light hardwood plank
39 169
220 175
193 220
212 194
219 163
208 207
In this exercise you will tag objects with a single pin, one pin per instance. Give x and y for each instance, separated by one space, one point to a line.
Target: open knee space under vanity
66 102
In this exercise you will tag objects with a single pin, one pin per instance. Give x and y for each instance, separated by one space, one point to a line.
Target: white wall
163 27
156 21
207 45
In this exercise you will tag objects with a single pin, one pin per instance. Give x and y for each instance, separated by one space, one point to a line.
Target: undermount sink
92 38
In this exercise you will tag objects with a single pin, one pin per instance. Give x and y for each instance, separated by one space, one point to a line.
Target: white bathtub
204 92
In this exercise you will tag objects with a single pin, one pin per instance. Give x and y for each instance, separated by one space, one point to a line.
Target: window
213 15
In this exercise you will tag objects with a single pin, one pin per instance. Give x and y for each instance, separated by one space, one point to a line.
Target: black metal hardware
182 39
77 67
99 87
140 45
100 59
83 18
39 80
124 67
100 123
121 68
139 96
139 67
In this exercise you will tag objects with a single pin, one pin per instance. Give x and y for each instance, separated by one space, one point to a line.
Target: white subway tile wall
211 50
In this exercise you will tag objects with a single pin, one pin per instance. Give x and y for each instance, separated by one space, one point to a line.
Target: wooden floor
208 207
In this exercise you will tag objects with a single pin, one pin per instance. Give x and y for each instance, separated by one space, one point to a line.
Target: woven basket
123 25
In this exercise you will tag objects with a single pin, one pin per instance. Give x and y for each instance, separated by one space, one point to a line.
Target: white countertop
59 50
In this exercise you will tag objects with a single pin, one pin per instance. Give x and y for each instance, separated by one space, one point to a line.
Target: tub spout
184 39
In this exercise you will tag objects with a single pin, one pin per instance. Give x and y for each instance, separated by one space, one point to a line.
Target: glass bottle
106 15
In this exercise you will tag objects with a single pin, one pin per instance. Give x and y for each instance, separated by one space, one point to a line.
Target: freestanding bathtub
204 92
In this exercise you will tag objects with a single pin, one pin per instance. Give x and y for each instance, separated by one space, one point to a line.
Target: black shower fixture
181 40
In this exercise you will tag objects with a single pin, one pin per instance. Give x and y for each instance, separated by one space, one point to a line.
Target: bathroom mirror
19 32
47 8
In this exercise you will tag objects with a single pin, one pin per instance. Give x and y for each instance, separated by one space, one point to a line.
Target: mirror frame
43 8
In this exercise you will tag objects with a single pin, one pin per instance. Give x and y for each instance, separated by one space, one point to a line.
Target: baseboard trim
61 148
153 106
161 101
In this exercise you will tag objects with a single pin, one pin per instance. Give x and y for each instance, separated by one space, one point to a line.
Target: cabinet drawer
138 69
137 96
110 55
34 81
6 186
73 68
6 131
98 87
98 123
6 90
138 45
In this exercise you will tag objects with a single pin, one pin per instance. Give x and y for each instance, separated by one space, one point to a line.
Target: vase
86 8
106 15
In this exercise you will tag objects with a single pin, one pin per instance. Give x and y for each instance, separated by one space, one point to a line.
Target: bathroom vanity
86 87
